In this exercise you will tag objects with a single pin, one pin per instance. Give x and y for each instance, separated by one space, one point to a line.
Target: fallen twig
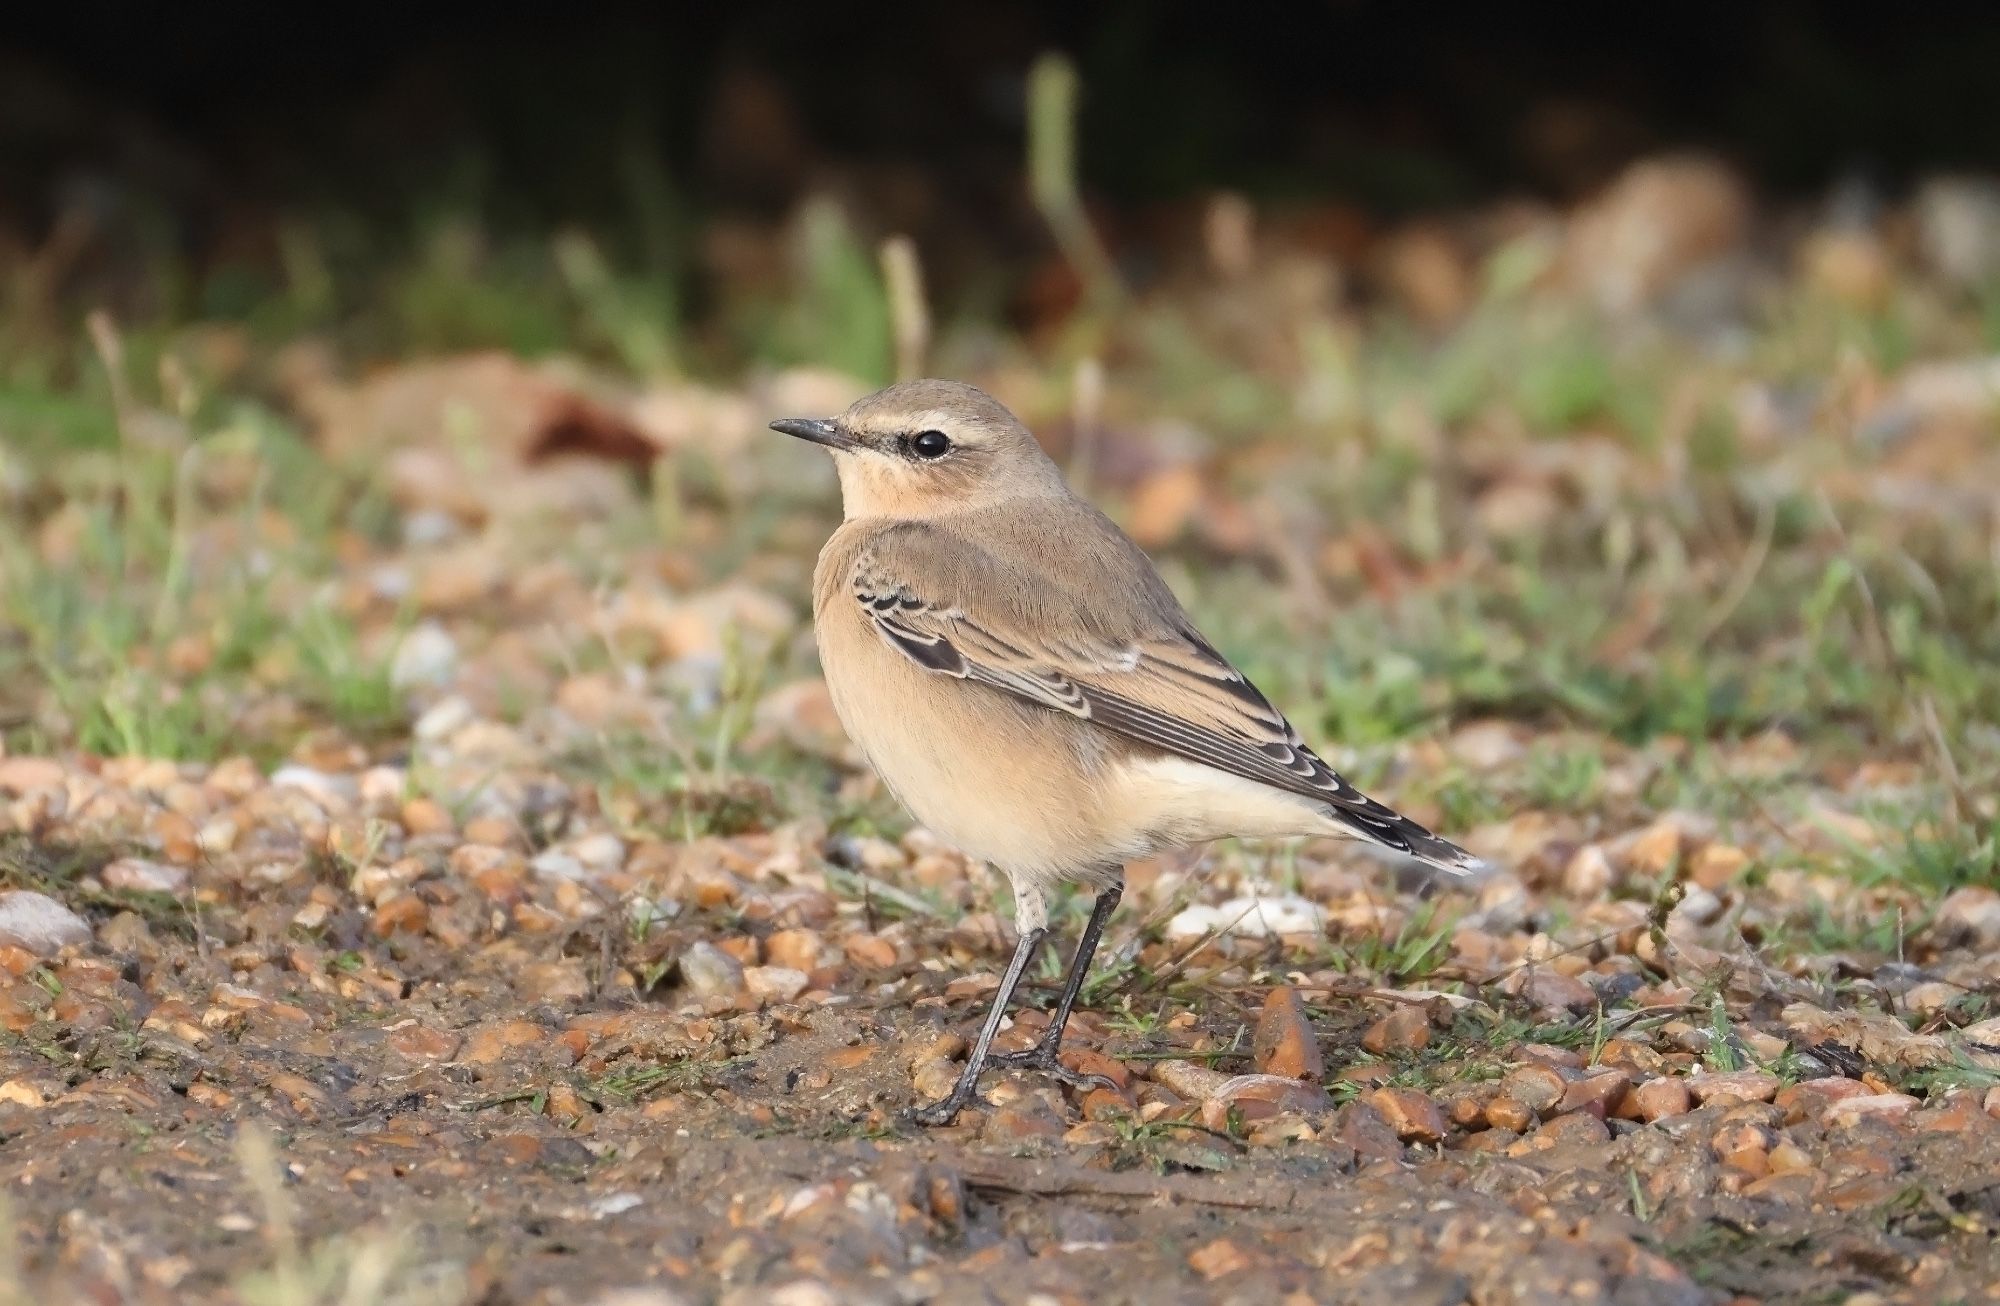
1041 1180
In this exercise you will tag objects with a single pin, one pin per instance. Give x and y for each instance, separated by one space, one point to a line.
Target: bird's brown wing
1149 677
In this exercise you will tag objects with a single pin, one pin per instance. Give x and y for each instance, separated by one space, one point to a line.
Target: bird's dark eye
931 444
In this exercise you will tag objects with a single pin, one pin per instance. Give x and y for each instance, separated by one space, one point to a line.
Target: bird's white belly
1171 801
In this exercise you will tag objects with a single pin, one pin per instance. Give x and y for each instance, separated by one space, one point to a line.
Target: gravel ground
532 1059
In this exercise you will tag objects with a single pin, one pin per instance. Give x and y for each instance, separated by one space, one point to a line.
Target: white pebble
443 719
39 924
383 786
615 1204
426 656
802 1292
554 865
428 526
708 971
1251 917
1698 906
337 789
600 852
391 582
273 873
638 1297
218 836
775 983
137 875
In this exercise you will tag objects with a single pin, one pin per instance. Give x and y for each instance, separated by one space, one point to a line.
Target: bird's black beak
819 430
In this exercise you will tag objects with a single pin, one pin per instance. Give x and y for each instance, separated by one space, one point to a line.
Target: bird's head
927 448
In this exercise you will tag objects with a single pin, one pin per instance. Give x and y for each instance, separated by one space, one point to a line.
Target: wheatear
1028 686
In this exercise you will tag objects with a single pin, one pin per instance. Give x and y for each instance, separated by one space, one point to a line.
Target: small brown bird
1028 686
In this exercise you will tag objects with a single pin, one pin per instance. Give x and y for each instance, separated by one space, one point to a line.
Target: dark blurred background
201 129
1387 104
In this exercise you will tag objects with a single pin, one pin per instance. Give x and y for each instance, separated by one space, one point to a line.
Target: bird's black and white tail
1379 824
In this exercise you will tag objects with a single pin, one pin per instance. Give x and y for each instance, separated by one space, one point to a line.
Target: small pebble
1194 1082
1284 1043
1870 1106
1734 1086
1577 1128
800 949
1412 1114
137 875
1405 1029
425 816
710 972
1969 917
38 924
1653 850
554 864
443 719
1717 865
614 1204
1259 1097
1595 1093
426 656
771 983
600 852
1218 1259
933 1078
1589 873
1251 917
1661 1099
218 836
1023 1120
1550 990
1809 1099
1280 1131
20 1092
1788 1188
1697 907
492 831
1538 1088
869 950
27 773
1510 1114
337 791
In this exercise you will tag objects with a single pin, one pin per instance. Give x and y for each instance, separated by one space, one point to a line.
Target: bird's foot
1043 1057
946 1109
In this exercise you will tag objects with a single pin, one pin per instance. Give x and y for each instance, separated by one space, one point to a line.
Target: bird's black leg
1044 1056
967 1087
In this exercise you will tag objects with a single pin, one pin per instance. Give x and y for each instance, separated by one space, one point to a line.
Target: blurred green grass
1862 631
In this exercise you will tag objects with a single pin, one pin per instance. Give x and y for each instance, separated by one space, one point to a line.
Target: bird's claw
946 1109
1044 1059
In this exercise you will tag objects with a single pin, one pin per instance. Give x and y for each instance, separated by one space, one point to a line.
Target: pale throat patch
872 485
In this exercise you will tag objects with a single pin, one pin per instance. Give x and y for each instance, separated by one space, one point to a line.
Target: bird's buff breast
1008 784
